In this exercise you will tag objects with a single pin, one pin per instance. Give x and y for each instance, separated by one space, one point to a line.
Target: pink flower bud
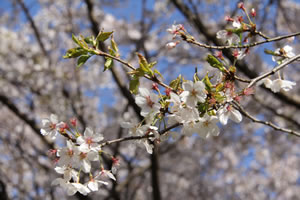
219 55
229 19
168 91
171 45
241 6
154 86
73 121
248 91
253 12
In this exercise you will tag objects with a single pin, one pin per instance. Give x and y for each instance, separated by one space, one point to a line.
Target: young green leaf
75 52
108 64
82 59
215 63
102 36
134 85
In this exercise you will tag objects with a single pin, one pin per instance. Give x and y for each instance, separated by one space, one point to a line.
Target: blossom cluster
199 106
77 156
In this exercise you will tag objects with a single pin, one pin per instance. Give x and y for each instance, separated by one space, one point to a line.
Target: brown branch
162 132
33 26
273 71
22 116
292 100
270 124
241 46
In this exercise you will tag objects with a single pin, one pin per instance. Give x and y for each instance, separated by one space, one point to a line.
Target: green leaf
175 83
90 40
76 40
144 66
219 87
157 72
82 59
152 64
134 85
114 45
102 36
108 64
75 52
207 83
215 63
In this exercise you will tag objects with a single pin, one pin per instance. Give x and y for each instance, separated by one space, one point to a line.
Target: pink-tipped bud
237 98
171 45
219 55
241 6
73 121
154 86
253 12
248 91
168 91
229 19
115 161
236 53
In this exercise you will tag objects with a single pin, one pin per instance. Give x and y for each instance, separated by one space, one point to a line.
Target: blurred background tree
247 161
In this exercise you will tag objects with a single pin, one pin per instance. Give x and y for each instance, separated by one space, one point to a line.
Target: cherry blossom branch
162 132
273 71
192 41
270 124
242 79
154 79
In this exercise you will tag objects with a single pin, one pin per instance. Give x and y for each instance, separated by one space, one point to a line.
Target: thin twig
101 53
162 132
270 124
242 79
243 46
274 70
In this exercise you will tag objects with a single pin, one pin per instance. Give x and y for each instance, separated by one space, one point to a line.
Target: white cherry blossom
50 126
228 112
279 84
93 184
89 141
148 102
193 92
286 51
228 37
208 126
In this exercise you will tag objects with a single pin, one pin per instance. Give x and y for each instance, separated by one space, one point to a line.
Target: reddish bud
115 161
52 152
238 98
248 91
241 6
168 91
236 53
229 19
253 12
219 55
154 86
73 121
240 19
212 101
63 127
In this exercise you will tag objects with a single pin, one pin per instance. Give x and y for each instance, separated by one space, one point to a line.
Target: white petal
98 137
268 83
235 115
93 185
86 166
144 92
80 140
88 132
188 85
53 119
